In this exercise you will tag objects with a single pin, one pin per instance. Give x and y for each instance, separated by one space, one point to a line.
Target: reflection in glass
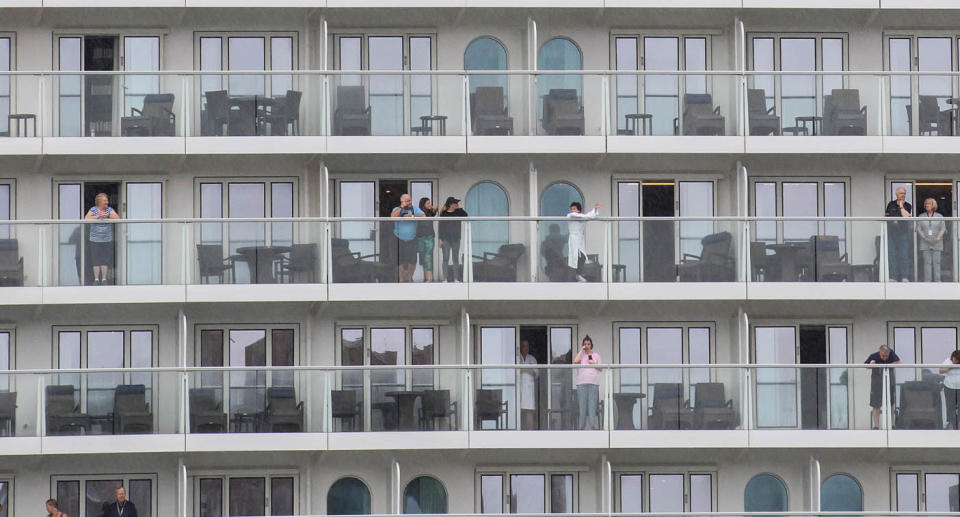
555 201
526 493
798 92
247 497
841 493
628 232
898 50
348 496
211 497
839 378
559 54
904 344
68 497
425 495
4 98
941 492
421 87
144 240
387 348
281 205
936 345
765 493
696 200
69 243
141 356
4 360
104 350
627 85
4 499
661 93
141 491
486 53
246 53
935 55
281 496
357 200
631 379
247 388
97 492
281 58
765 205
487 199
799 200
701 493
776 387
561 493
835 205
422 354
69 359
246 200
70 87
498 345
141 53
763 62
351 354
664 346
386 91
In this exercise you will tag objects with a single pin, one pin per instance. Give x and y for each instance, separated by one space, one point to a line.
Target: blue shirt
406 231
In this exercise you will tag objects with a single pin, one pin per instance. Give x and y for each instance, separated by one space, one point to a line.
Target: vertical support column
813 478
532 39
466 357
881 108
395 496
182 488
605 116
533 189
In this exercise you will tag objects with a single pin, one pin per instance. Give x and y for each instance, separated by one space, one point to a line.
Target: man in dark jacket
122 507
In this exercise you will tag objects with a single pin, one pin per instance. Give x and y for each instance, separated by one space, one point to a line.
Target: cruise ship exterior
212 297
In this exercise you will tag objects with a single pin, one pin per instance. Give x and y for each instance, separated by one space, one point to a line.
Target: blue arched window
425 495
486 53
841 493
765 493
559 54
348 496
555 202
487 199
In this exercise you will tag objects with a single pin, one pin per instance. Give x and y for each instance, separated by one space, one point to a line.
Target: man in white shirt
528 387
576 238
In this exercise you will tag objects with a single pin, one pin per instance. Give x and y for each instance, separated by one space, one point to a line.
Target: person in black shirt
882 356
122 507
449 233
899 234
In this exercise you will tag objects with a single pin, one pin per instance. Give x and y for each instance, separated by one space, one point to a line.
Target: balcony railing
480 103
476 398
546 250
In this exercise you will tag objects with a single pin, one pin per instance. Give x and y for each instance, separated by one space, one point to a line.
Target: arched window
487 199
348 496
841 493
486 53
555 201
765 493
559 54
425 495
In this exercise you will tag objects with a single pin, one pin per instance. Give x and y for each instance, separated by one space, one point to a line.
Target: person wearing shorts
406 234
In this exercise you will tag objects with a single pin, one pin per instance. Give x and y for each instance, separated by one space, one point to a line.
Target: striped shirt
101 232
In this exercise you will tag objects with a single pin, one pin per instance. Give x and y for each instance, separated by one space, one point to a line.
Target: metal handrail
599 72
520 218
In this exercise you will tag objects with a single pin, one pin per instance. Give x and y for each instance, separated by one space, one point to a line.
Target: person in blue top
406 234
101 238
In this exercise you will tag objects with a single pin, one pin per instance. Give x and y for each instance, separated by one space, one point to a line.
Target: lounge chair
562 112
762 121
488 113
352 116
843 114
155 118
699 116
500 266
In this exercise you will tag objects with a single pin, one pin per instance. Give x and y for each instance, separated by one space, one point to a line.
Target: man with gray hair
899 236
884 355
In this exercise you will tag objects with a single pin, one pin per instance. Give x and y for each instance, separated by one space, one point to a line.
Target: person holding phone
588 384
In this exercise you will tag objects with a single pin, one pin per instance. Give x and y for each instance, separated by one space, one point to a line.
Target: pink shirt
588 375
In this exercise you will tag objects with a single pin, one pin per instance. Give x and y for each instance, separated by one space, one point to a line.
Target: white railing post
884 266
605 102
881 111
465 115
885 402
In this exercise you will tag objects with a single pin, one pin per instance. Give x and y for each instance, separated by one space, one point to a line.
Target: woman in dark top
53 509
449 233
425 239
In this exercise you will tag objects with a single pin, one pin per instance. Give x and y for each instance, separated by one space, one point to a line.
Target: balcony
361 259
478 112
467 406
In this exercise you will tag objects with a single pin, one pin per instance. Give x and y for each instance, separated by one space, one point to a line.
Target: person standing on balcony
576 238
931 230
425 239
53 509
884 355
101 238
898 237
588 384
122 507
528 387
406 234
450 233
951 389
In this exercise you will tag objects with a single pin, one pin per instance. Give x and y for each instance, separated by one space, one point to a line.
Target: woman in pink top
588 384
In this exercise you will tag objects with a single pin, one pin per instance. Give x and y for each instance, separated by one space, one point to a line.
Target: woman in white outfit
931 230
576 240
528 387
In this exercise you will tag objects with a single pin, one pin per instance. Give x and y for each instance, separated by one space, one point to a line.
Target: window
106 347
921 343
791 397
673 492
528 492
348 496
245 494
6 86
927 490
841 493
555 202
559 54
797 95
386 346
765 493
800 197
88 494
390 96
6 359
246 391
7 205
920 105
486 53
6 497
658 95
425 494
247 199
487 199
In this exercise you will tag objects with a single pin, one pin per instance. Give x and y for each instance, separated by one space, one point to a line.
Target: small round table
426 122
814 120
406 401
646 123
625 403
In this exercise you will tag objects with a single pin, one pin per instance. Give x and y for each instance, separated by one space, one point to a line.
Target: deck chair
155 118
206 412
212 263
436 405
488 113
562 112
352 116
714 264
8 413
131 412
284 116
490 405
699 116
762 121
63 414
283 413
217 113
828 263
500 266
920 406
711 408
11 263
352 267
345 407
844 113
669 410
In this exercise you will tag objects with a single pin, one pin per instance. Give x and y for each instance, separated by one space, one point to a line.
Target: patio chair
284 115
488 113
843 114
562 112
711 408
762 121
131 412
345 407
669 410
217 113
303 259
930 118
699 116
11 263
206 411
155 118
8 413
920 406
283 412
63 414
490 405
243 120
715 263
352 116
436 405
212 263
829 265
500 266
352 267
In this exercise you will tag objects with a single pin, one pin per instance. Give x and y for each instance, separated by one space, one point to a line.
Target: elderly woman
101 238
931 230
